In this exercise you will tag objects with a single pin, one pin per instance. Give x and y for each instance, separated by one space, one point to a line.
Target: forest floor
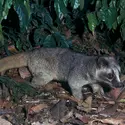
21 104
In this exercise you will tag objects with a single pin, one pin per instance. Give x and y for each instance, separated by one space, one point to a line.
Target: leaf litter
20 103
52 105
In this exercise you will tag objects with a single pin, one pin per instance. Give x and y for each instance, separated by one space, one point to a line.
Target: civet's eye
110 75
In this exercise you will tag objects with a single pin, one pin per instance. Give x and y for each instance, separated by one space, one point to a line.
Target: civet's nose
122 84
117 84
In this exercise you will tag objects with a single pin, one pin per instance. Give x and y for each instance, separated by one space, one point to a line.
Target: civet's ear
102 62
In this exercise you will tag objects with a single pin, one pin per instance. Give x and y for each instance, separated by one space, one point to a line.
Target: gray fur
77 69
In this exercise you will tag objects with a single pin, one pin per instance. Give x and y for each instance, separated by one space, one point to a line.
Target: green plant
104 12
21 7
34 20
40 21
45 33
109 13
17 90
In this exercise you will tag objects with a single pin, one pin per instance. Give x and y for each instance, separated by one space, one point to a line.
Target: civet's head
107 72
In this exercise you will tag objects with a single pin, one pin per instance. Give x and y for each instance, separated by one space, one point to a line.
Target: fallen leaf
5 104
111 121
12 49
4 122
69 97
51 86
83 118
110 110
24 72
37 108
67 116
59 110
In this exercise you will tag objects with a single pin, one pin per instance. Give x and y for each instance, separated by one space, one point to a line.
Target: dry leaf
12 49
5 104
69 97
51 86
112 121
67 116
4 122
84 118
24 72
37 108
